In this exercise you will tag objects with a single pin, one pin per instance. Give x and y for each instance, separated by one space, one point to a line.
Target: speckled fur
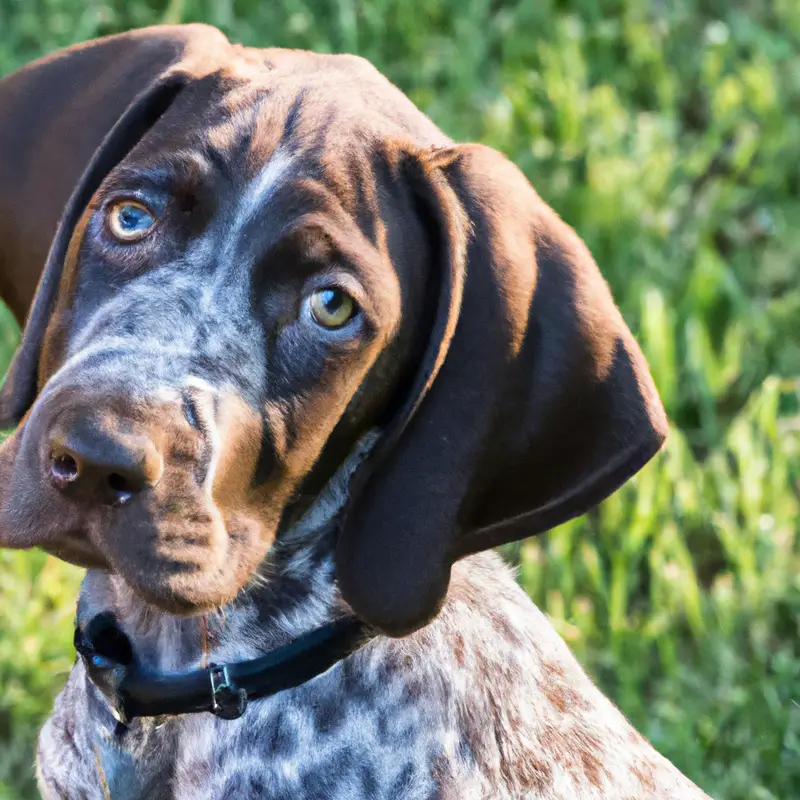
485 702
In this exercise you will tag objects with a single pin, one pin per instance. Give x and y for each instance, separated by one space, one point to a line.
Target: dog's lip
77 550
171 566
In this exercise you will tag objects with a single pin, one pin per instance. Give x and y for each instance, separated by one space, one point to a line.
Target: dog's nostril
63 468
121 488
101 467
118 482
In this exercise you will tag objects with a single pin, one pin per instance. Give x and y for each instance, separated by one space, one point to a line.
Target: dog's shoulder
520 708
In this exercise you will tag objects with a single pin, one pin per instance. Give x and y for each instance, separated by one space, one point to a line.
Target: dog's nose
99 466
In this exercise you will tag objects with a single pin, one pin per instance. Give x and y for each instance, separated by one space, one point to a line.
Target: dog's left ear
79 111
534 402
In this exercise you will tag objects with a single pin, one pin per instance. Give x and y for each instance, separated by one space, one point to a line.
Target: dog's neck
293 592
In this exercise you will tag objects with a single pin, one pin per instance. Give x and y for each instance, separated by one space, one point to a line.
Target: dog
294 362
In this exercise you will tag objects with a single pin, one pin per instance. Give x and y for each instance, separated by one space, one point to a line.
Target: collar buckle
227 700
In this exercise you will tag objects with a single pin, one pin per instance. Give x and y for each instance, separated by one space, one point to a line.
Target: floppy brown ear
539 406
65 122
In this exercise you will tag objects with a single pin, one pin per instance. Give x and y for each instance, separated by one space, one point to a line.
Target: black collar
135 691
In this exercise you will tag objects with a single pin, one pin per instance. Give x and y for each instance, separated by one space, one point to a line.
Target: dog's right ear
531 405
79 111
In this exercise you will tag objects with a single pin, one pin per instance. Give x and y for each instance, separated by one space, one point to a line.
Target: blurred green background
668 134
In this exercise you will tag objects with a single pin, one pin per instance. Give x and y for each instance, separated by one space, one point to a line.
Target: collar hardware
227 700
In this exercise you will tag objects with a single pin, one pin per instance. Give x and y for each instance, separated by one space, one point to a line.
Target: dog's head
270 254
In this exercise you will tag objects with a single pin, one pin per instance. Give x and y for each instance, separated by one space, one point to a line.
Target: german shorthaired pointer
294 361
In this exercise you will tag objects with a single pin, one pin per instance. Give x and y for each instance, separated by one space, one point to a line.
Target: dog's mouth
189 563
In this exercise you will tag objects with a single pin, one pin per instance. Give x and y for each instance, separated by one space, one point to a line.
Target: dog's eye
129 221
332 308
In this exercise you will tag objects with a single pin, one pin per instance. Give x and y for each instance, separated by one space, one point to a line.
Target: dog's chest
356 732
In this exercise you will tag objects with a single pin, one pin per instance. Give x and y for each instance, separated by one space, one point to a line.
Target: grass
666 133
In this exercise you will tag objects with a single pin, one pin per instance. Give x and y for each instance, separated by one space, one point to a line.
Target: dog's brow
159 175
317 238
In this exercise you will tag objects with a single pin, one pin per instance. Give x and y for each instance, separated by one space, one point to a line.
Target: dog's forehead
343 90
320 108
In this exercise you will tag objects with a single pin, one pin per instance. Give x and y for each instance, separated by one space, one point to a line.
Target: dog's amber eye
129 221
332 307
